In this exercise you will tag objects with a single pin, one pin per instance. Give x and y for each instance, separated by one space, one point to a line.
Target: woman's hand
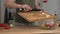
26 7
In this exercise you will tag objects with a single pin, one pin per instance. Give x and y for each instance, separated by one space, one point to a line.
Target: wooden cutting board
36 16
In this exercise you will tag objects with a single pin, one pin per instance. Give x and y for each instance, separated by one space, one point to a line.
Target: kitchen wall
51 6
2 10
58 10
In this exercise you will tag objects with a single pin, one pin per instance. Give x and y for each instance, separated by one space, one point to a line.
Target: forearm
11 4
37 4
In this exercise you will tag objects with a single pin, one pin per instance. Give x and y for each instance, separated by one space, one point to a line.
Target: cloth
29 2
18 18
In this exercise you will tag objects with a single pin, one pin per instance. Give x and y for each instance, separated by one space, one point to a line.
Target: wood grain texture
36 16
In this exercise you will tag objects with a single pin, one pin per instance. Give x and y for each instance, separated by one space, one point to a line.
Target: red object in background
45 1
7 27
51 25
2 25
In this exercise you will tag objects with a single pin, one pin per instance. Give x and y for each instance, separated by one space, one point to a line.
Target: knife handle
20 9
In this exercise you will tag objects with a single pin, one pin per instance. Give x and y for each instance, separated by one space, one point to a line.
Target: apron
18 18
29 2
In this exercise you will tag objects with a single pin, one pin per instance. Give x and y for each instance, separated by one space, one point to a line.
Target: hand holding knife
22 10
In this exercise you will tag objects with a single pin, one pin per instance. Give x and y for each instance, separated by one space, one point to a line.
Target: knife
22 10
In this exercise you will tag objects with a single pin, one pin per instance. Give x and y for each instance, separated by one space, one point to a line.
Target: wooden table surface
28 30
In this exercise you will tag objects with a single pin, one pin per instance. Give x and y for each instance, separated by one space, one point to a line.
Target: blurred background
51 6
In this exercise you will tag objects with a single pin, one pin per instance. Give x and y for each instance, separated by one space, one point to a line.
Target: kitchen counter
28 30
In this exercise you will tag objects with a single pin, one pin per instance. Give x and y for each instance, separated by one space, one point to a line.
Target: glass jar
48 24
